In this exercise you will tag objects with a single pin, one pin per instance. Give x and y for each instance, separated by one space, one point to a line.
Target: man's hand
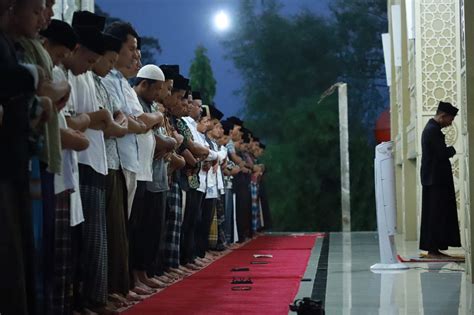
47 106
235 170
56 91
178 137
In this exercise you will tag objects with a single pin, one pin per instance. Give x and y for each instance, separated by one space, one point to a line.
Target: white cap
151 72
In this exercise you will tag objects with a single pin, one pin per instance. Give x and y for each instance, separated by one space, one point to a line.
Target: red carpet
210 291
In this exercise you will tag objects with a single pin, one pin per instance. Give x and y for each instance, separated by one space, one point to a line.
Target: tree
150 45
286 63
201 76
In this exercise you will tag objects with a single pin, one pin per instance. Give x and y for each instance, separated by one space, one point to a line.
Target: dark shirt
16 93
435 164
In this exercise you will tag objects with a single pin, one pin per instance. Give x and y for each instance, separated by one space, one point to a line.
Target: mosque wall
429 66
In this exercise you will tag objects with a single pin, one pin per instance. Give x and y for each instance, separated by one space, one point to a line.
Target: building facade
431 59
64 9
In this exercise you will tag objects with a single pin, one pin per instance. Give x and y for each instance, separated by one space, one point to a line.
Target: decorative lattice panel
438 51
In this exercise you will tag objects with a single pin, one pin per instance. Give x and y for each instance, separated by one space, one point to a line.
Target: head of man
203 124
226 131
237 125
165 90
216 116
87 52
132 72
170 72
112 47
216 132
27 18
148 83
182 110
259 151
48 13
246 139
445 114
59 40
128 56
195 108
178 99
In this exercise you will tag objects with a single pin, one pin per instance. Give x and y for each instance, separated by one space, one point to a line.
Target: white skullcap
151 72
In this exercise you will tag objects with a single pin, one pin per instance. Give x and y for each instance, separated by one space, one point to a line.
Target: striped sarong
174 218
63 271
94 237
220 215
255 207
212 244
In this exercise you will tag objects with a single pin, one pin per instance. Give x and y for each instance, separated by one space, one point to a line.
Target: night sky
181 25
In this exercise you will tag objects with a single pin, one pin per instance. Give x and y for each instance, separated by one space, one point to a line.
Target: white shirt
84 100
119 89
146 141
68 179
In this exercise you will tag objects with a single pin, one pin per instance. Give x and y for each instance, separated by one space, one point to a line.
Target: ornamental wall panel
438 73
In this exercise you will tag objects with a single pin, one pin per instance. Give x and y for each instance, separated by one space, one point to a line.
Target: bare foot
118 300
192 267
141 291
133 297
200 263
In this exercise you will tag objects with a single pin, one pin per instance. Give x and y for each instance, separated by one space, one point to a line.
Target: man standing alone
439 220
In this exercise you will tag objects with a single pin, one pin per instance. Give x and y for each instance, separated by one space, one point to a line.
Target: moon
222 21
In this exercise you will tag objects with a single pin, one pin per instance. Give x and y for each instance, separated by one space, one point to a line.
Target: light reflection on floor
434 288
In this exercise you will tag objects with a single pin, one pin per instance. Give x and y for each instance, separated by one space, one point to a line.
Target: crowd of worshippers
115 181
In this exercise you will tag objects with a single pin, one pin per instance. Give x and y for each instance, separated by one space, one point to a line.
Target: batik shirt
189 172
105 101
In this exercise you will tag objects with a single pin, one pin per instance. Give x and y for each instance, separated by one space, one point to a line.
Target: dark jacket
435 164
16 93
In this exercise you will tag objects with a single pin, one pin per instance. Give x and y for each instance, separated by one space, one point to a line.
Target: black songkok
60 33
171 71
215 113
235 121
91 38
86 18
227 126
197 95
180 83
447 108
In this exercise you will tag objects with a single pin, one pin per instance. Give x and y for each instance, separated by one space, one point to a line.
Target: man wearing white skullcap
143 221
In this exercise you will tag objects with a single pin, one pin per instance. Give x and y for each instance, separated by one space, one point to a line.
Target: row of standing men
110 192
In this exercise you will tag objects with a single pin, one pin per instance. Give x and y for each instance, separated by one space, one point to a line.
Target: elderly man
439 219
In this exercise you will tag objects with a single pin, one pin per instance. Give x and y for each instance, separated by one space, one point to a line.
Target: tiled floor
434 288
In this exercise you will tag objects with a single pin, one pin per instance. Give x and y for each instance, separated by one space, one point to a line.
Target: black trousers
243 205
202 232
192 215
16 249
154 231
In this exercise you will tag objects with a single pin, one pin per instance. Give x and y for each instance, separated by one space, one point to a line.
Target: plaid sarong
255 207
174 218
213 230
62 282
220 214
229 215
94 236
